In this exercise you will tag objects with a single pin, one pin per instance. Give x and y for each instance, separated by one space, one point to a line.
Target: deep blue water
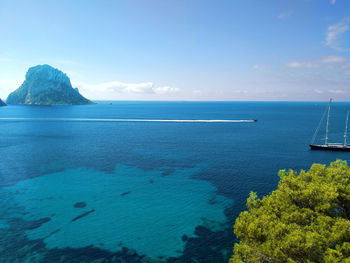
218 161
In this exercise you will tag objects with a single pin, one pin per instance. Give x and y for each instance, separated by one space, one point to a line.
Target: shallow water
79 191
144 211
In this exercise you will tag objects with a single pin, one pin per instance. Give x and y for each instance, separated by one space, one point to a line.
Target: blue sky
182 49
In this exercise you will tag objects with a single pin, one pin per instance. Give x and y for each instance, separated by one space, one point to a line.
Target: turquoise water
144 211
83 191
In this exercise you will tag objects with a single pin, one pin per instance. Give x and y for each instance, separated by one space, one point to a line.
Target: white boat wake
117 120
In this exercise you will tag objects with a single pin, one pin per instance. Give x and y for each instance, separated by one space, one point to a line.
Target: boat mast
319 126
346 129
329 110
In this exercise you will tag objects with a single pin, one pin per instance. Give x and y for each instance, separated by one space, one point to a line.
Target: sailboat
327 146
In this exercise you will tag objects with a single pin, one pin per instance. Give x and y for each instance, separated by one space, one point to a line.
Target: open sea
74 189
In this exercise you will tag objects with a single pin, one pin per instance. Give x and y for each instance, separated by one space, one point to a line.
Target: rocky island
45 85
2 103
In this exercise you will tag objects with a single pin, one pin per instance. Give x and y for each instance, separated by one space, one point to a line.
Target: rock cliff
45 85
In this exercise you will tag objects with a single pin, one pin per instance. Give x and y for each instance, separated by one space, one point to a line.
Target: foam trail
116 120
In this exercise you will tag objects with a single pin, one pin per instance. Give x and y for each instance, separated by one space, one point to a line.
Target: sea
93 183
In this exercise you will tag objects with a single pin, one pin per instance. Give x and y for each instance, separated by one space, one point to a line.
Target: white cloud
284 15
334 33
258 67
165 90
124 87
303 64
333 59
337 91
333 2
318 91
143 88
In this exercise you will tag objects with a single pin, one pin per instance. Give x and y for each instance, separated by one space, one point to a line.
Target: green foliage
307 219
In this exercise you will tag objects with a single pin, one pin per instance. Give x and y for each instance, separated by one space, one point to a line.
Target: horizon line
220 100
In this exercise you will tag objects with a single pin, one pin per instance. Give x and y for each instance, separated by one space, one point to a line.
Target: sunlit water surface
77 190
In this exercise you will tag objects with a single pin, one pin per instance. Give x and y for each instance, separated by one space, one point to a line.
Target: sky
182 49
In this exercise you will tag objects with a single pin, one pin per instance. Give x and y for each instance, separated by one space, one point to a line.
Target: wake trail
119 120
